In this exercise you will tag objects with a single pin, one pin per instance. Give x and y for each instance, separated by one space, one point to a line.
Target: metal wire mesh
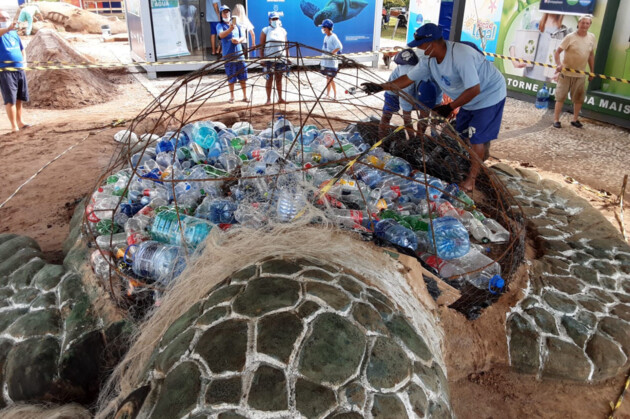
437 151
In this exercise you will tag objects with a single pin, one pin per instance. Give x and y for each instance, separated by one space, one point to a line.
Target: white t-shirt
275 42
211 14
331 43
462 68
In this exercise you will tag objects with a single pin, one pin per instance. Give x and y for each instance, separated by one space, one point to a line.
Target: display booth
532 30
175 33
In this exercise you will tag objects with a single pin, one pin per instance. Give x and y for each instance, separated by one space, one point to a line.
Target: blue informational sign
568 7
353 19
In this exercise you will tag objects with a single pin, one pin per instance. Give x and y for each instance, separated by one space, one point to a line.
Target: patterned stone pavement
52 344
574 320
288 338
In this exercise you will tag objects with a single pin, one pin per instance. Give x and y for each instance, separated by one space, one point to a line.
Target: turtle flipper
308 8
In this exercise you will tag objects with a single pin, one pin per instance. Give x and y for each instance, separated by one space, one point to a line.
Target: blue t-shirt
226 43
331 43
211 14
11 50
462 68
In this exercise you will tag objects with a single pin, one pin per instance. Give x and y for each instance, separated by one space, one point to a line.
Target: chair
190 21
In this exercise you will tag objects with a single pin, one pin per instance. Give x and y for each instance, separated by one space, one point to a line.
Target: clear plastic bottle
217 210
290 203
498 233
158 261
392 232
283 128
435 185
353 219
204 134
451 238
542 97
109 242
398 165
482 272
165 228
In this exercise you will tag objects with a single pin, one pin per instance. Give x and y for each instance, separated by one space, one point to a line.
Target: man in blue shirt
12 83
213 17
465 75
232 36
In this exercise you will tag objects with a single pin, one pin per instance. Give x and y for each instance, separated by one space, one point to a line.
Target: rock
351 285
576 330
529 175
529 302
221 295
36 323
277 334
31 369
47 300
333 351
317 274
543 319
565 360
224 390
267 294
80 367
15 261
418 400
602 295
80 320
604 267
70 288
182 323
179 392
268 391
368 318
165 360
622 311
608 358
438 410
76 258
388 365
16 244
591 304
312 400
506 169
244 274
566 284
355 394
224 346
48 277
10 316
618 330
22 276
523 345
25 296
388 406
429 375
400 327
307 308
559 302
280 266
212 316
317 263
331 295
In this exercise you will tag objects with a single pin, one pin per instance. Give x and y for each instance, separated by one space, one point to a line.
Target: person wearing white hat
273 46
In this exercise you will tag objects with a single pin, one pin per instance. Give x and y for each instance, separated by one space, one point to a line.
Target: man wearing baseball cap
464 74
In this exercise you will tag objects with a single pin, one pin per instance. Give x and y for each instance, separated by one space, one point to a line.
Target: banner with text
168 29
421 12
568 7
481 24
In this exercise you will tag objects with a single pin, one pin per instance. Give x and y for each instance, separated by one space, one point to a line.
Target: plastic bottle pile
150 217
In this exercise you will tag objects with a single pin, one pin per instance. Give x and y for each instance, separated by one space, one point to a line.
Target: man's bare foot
245 100
268 102
23 125
231 100
15 130
282 101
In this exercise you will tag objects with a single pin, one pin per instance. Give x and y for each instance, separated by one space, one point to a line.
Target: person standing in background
246 25
329 65
579 49
12 83
213 17
232 36
28 14
273 45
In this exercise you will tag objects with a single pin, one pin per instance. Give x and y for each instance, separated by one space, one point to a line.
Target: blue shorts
274 67
13 86
213 27
236 71
392 103
485 121
329 71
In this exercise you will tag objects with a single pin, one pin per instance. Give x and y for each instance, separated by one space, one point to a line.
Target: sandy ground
481 384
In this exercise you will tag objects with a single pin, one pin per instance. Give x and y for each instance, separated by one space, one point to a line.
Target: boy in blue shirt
12 83
426 92
330 67
464 74
232 36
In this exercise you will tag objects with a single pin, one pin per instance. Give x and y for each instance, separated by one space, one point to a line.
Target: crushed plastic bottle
392 232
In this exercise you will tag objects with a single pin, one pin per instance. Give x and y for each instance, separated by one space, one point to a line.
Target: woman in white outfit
246 24
273 45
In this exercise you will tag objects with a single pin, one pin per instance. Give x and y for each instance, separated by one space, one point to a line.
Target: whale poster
354 20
